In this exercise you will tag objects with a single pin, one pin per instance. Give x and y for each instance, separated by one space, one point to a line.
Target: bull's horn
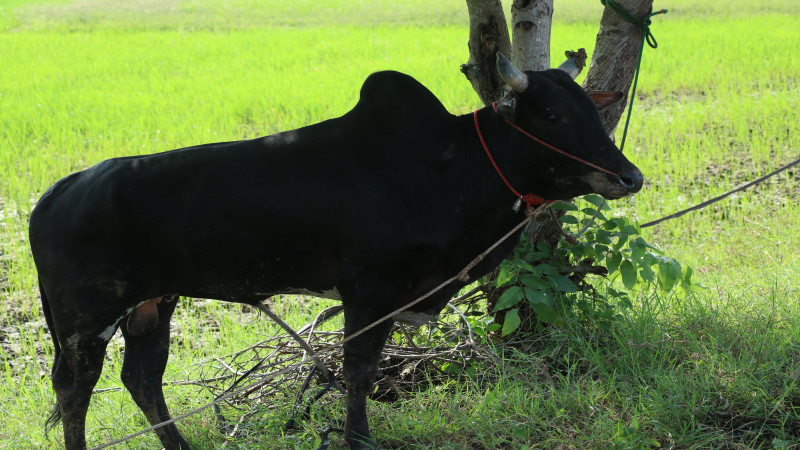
570 68
515 79
575 62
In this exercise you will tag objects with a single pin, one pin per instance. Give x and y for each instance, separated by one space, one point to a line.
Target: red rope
569 155
528 199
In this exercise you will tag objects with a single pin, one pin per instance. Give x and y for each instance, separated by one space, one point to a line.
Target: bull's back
263 214
197 219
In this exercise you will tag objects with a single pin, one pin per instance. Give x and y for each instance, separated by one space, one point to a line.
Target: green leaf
522 265
628 274
650 259
564 284
590 212
536 296
564 206
603 237
667 275
646 273
511 321
506 276
640 240
535 256
547 269
534 282
594 199
637 250
510 297
580 252
544 312
623 238
613 261
568 219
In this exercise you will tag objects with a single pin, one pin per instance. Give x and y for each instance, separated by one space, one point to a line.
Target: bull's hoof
361 443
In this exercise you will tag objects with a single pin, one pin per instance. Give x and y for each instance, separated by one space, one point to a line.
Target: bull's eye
550 116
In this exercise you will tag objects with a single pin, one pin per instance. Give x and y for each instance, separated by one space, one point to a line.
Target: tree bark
530 24
488 34
615 56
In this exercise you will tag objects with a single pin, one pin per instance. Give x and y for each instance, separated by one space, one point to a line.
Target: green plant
552 280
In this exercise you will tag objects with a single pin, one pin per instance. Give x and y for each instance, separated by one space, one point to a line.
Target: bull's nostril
632 182
627 182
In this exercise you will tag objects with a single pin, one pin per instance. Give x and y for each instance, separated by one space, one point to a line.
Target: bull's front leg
361 357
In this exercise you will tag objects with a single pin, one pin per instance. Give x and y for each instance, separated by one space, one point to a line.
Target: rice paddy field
86 80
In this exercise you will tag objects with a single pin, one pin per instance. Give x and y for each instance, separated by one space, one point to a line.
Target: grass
84 81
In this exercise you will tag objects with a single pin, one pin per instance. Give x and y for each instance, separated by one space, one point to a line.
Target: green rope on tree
644 25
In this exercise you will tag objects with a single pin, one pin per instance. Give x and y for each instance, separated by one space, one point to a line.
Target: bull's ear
506 108
602 99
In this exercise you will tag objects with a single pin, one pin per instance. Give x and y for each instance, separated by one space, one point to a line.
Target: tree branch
488 34
615 57
531 22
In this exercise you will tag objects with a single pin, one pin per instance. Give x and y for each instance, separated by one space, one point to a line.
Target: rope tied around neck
529 199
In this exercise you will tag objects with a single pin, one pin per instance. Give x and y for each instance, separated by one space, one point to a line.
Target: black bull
374 208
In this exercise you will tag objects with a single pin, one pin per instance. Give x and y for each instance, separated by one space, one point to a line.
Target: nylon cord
647 35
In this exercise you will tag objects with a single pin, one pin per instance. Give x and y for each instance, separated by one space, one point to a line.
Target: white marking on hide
330 294
603 186
72 342
413 318
120 287
108 333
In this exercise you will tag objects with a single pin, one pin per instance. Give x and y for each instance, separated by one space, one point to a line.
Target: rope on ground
718 198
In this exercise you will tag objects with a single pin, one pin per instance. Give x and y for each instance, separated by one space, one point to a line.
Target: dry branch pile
276 372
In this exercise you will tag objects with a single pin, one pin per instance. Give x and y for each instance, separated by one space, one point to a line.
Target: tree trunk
612 68
488 34
530 22
615 56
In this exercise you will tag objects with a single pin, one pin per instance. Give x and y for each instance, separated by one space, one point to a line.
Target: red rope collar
529 199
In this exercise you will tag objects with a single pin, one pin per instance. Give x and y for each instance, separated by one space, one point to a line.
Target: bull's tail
55 413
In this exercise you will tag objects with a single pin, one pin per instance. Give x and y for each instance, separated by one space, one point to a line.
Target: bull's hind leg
146 335
75 374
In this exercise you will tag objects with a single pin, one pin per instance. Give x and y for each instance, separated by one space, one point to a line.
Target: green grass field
85 80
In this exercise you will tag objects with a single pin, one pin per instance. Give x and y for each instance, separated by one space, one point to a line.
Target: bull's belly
247 279
254 296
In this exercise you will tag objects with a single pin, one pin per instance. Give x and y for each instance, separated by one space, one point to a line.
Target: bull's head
551 106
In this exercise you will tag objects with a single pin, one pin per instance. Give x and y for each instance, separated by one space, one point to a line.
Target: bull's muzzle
632 181
618 186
